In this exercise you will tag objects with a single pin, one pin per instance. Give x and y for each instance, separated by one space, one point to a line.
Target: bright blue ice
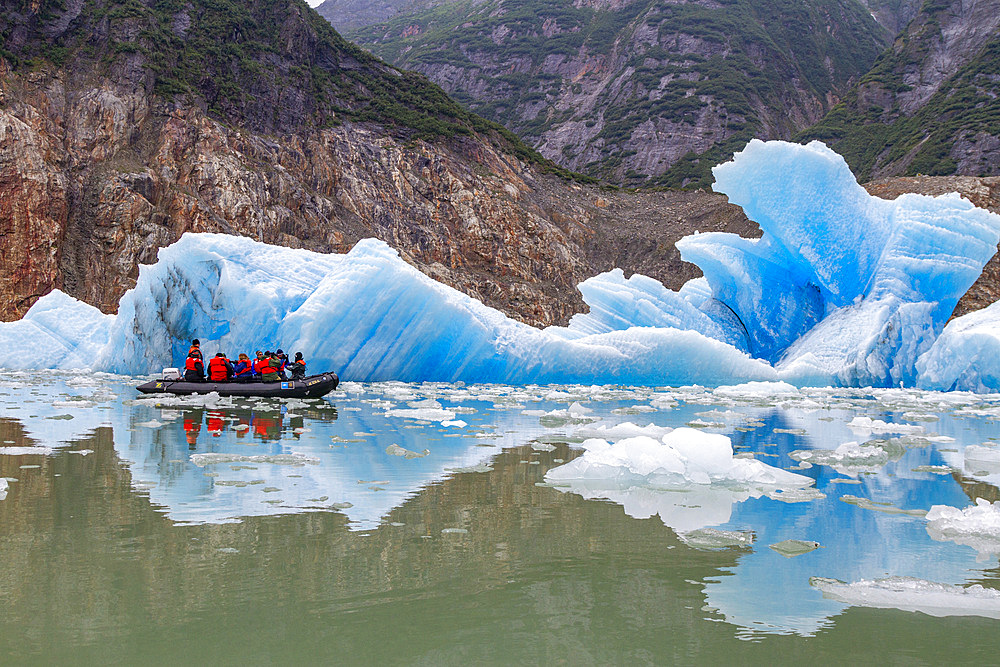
842 288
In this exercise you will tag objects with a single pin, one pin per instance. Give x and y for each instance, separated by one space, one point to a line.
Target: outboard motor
171 374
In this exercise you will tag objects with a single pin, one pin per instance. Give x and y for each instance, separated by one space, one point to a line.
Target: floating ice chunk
621 431
885 508
396 450
3 488
792 548
869 425
682 457
979 459
757 390
214 458
851 458
26 451
917 595
977 526
428 414
713 539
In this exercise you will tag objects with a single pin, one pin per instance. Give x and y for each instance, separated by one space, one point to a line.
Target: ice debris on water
915 595
3 488
792 548
689 478
977 526
26 451
396 450
886 508
713 539
851 457
683 456
293 459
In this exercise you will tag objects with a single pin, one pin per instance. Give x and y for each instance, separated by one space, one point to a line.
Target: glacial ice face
58 331
842 288
370 316
966 356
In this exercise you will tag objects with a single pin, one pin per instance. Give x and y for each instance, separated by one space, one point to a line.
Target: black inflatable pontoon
313 386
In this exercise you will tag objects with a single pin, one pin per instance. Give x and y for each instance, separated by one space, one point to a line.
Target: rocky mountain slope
108 152
931 104
636 92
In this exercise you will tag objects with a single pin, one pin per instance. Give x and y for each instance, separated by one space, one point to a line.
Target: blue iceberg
842 288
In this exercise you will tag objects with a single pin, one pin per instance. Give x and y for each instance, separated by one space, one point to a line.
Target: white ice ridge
688 477
977 526
909 594
842 288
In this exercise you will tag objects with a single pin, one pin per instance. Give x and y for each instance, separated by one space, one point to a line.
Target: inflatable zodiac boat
312 386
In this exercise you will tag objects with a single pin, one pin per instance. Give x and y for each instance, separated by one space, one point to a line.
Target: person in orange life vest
194 369
195 347
242 370
219 369
298 367
269 371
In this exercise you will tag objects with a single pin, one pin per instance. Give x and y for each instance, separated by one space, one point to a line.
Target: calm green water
134 553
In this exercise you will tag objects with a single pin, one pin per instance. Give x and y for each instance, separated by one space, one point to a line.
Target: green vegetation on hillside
872 137
268 65
736 65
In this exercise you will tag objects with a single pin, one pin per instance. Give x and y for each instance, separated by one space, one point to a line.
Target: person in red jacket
219 368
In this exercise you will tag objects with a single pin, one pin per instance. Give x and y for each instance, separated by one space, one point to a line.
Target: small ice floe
152 423
977 526
689 478
916 595
621 431
81 452
428 410
26 451
711 539
800 495
757 390
242 427
937 470
886 508
3 488
454 531
792 548
851 457
869 425
290 459
458 423
981 461
574 414
396 450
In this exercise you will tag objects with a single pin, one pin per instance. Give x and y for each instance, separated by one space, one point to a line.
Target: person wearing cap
195 349
258 364
298 367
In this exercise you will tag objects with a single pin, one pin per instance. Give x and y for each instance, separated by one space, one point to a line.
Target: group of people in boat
266 367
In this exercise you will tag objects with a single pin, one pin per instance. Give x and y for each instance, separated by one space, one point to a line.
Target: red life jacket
194 349
192 363
217 371
258 365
